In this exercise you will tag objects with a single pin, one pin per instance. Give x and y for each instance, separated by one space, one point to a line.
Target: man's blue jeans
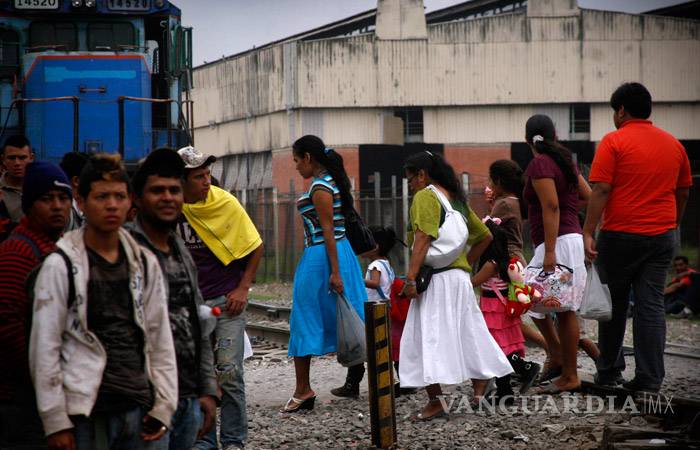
228 364
184 427
639 262
119 431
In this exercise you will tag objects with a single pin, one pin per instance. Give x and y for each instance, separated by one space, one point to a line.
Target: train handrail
122 99
76 111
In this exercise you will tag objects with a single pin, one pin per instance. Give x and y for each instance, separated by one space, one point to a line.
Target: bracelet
410 282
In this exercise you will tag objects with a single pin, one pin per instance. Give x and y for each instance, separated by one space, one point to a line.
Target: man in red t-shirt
675 291
642 180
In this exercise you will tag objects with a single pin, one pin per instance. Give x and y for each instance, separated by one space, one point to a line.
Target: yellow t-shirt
427 215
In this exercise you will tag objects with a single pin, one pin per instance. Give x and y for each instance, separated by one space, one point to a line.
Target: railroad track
679 416
671 349
271 322
273 312
268 322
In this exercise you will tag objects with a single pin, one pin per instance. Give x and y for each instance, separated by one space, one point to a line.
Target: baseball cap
194 159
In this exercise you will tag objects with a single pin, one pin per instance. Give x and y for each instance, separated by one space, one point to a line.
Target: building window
579 118
412 123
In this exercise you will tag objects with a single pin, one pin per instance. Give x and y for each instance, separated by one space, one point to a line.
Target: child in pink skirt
505 329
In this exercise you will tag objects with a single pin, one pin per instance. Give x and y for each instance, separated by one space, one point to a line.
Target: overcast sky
226 27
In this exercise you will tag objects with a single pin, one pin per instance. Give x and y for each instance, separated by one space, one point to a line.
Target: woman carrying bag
445 338
554 192
327 266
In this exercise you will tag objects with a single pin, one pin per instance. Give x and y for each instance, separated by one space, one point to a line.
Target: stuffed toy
520 295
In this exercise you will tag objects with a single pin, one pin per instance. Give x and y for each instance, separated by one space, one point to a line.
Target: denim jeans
184 427
118 431
639 262
228 365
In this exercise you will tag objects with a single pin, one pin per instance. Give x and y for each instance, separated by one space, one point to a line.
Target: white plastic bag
596 303
247 348
352 346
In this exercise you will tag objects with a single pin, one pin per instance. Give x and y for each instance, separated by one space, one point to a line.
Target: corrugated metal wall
503 60
488 124
679 119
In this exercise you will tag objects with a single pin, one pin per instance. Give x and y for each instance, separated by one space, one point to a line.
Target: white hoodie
67 360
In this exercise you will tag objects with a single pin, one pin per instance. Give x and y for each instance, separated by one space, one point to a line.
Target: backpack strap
71 278
28 241
145 268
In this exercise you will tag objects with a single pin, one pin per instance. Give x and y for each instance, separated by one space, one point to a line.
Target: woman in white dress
445 338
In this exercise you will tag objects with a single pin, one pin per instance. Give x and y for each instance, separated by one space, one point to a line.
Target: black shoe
399 391
608 382
508 399
528 376
634 386
347 390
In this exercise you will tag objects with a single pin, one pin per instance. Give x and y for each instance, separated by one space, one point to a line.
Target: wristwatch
410 282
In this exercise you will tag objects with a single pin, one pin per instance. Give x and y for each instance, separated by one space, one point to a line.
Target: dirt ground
344 423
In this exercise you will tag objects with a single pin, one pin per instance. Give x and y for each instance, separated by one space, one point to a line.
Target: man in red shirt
46 201
675 292
642 180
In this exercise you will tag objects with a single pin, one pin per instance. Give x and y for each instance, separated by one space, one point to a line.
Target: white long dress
445 339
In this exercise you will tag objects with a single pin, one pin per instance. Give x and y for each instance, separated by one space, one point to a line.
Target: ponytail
437 170
331 161
541 134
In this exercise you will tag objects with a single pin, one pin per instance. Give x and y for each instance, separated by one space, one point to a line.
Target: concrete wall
496 60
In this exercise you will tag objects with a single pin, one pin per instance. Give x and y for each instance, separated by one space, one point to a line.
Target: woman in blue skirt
328 264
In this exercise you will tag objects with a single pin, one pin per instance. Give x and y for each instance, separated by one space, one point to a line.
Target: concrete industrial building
462 80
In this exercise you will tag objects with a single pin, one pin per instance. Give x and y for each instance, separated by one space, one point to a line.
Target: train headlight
160 3
90 3
76 3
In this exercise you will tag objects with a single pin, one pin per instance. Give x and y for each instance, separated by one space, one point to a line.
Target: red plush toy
520 295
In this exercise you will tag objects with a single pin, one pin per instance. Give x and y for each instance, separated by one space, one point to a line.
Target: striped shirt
17 259
313 234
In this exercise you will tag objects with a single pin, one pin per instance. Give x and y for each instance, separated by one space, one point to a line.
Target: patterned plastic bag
557 288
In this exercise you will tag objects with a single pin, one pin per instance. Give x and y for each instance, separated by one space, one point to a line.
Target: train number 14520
129 5
36 4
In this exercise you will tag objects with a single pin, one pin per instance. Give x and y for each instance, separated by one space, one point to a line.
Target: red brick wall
476 161
283 169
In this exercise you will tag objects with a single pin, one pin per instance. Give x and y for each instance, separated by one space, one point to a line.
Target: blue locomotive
95 75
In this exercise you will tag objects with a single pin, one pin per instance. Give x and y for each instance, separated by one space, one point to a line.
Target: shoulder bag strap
441 198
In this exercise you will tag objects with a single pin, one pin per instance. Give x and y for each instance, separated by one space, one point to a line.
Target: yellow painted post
380 375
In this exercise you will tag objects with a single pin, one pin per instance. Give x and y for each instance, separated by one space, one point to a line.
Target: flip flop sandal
549 374
553 389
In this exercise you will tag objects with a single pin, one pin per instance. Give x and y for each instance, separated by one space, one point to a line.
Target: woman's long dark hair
497 251
509 176
438 170
330 160
542 126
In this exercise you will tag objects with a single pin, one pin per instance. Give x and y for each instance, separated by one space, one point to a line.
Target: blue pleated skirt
313 321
